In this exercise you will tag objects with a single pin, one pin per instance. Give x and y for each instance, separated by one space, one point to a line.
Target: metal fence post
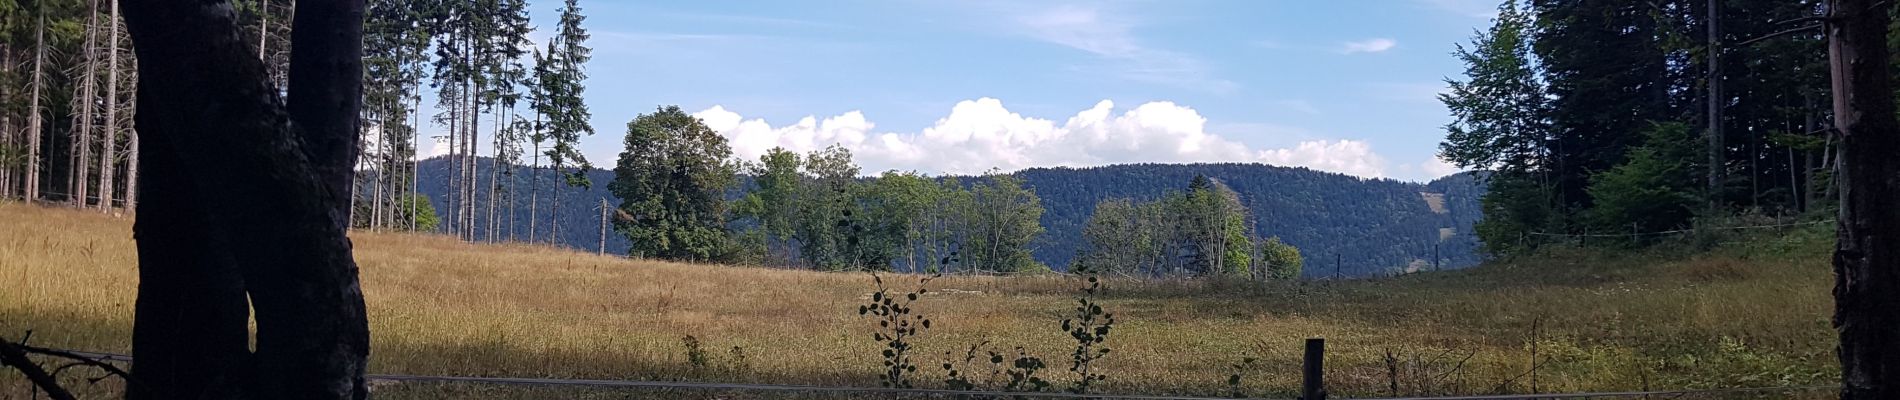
1313 379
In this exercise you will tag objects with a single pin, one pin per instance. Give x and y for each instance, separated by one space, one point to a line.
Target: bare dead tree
1866 258
35 121
81 154
109 158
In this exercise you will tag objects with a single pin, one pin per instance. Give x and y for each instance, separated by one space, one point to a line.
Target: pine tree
505 76
1608 78
567 113
452 26
394 42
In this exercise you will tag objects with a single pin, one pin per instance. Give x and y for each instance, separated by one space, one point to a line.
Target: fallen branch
14 355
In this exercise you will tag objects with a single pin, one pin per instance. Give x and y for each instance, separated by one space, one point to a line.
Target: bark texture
1866 260
252 205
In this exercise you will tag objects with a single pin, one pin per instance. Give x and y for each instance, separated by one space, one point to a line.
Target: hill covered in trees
1367 226
577 213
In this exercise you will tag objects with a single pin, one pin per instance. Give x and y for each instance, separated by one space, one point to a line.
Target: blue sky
965 86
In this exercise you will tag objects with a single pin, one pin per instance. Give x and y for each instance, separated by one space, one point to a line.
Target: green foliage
774 201
423 219
825 230
1282 261
1554 92
561 74
1499 112
959 379
897 325
1022 372
1241 369
1516 205
819 209
893 212
1656 190
1237 256
1501 123
1004 221
1204 231
671 181
1089 326
1118 238
695 353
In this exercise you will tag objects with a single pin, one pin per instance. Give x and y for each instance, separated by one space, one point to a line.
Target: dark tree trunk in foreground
245 197
1866 260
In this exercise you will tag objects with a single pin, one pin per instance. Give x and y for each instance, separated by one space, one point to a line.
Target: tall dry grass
1737 316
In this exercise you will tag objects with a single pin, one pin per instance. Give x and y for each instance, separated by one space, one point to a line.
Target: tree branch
14 355
1786 32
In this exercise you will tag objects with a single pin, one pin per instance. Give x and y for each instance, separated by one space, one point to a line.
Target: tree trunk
132 170
252 204
1866 259
1717 167
534 182
454 167
494 176
603 227
415 163
382 164
35 120
82 128
9 137
263 31
109 160
470 153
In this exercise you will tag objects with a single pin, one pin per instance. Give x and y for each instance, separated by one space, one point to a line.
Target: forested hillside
577 214
1372 226
1368 226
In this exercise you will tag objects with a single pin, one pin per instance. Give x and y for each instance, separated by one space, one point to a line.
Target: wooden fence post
1313 382
1338 260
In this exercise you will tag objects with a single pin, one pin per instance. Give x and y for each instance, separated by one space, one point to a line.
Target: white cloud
436 148
1374 45
1110 36
1438 167
1351 157
1085 29
981 134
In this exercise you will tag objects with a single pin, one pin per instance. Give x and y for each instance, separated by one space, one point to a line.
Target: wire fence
92 199
1680 232
888 392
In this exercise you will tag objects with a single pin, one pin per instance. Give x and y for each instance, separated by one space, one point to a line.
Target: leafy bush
896 325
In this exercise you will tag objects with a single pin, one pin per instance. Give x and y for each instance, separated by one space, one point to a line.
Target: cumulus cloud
1352 157
981 134
1438 167
1374 45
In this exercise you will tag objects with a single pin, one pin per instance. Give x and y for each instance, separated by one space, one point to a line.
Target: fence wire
1678 231
761 387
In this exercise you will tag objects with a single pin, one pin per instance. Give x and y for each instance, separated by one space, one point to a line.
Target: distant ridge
1369 226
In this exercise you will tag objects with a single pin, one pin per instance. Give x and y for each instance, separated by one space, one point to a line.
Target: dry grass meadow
1752 314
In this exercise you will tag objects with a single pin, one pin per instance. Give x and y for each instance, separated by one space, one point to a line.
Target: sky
963 87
